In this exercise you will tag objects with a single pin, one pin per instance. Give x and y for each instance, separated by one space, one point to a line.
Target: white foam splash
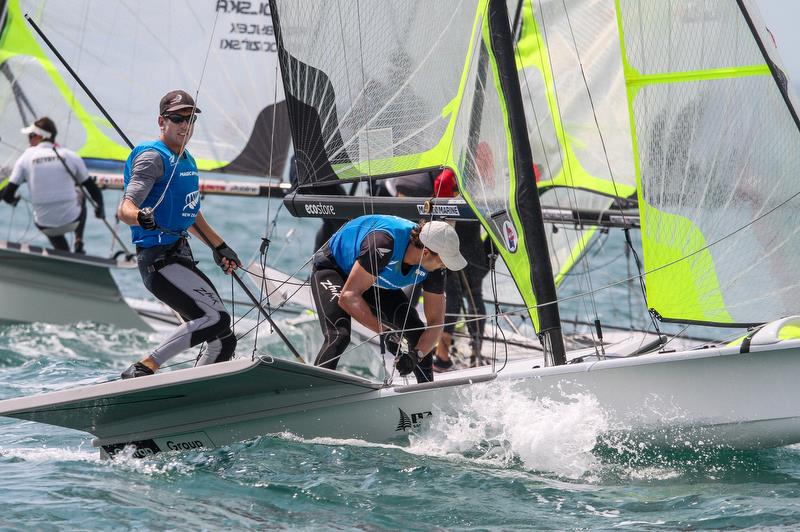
505 425
50 454
324 440
162 465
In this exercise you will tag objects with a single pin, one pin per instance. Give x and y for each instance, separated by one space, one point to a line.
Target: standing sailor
161 203
54 176
360 274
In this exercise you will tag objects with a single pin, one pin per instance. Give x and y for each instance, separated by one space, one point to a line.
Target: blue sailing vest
181 203
346 244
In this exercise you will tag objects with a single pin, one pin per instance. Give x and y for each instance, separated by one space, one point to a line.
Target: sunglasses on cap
179 119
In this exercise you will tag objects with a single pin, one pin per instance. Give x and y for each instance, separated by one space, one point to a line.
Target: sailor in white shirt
54 176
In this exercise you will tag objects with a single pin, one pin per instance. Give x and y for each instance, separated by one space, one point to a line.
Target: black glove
393 342
8 194
406 362
224 251
100 212
146 219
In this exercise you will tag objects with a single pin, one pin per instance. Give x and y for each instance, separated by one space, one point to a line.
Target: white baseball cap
441 238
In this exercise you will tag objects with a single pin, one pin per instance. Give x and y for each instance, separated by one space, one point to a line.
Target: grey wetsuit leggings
170 274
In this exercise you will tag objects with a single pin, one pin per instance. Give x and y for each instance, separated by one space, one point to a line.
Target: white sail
129 54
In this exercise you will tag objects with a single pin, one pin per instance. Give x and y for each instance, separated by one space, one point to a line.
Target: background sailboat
130 53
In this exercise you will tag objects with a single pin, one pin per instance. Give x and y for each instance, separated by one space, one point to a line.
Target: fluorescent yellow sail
716 152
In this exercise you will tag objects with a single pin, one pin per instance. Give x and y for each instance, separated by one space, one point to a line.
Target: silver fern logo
192 199
405 422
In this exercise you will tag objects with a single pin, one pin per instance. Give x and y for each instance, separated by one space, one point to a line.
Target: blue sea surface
511 465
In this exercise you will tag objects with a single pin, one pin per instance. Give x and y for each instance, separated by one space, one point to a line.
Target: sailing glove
393 342
146 219
224 251
100 212
406 362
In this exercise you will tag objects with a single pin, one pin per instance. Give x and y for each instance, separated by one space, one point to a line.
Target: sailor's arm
203 230
146 169
18 174
82 173
127 212
351 299
433 305
224 256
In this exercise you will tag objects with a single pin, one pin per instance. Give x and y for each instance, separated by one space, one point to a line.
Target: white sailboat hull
715 396
44 285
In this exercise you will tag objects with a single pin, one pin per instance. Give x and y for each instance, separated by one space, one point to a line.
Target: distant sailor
54 176
161 203
360 274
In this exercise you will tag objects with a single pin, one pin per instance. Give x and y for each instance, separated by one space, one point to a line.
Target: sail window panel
567 243
545 145
482 143
718 158
585 100
663 36
392 79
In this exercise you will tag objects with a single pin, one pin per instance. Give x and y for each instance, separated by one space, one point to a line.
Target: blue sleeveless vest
346 244
181 203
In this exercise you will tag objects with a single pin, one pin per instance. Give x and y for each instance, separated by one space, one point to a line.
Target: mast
527 196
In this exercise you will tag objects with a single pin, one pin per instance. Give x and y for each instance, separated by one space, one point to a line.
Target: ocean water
505 462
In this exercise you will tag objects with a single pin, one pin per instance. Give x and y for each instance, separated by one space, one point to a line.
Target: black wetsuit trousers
392 306
170 274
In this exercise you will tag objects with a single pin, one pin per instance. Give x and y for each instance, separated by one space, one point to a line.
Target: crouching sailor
161 203
360 274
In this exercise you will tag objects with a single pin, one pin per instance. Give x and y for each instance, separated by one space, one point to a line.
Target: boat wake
500 425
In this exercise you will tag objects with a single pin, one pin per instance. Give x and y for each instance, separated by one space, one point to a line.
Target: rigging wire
265 242
192 115
603 144
565 161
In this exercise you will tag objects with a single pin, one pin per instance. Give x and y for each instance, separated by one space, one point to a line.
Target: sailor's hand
226 258
146 219
393 341
100 212
15 200
405 362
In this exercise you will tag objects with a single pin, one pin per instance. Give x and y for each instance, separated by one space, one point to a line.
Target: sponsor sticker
142 448
408 422
440 210
320 209
193 441
510 236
